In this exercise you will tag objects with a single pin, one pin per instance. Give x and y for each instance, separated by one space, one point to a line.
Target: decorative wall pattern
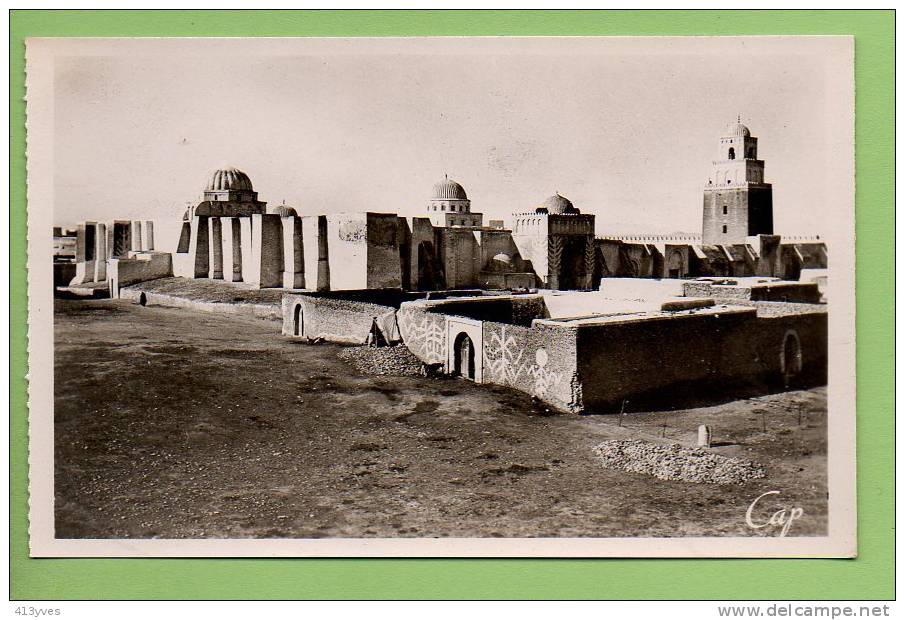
554 260
534 360
424 333
590 256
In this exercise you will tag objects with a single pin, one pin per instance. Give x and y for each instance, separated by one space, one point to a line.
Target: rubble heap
675 462
386 361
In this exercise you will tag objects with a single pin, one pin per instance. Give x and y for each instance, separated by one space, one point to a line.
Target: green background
868 577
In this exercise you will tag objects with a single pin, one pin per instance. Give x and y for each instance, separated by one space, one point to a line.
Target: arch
463 357
731 152
142 300
675 267
790 360
298 321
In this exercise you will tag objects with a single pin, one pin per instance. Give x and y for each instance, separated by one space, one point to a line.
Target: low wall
63 273
143 267
795 292
336 320
539 360
664 359
804 292
423 332
270 312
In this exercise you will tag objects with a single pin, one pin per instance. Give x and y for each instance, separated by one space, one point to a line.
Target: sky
625 128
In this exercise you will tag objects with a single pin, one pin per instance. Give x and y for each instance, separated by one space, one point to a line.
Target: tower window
725 229
725 210
731 153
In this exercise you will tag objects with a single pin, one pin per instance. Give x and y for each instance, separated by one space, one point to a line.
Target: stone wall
661 359
384 259
423 332
760 255
794 292
539 360
269 312
63 273
143 267
336 320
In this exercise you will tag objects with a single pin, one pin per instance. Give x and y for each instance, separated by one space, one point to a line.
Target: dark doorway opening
791 358
463 357
142 300
297 321
90 242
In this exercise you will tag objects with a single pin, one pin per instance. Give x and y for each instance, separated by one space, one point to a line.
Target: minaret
737 202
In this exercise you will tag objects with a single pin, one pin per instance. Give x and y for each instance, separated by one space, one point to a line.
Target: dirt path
180 424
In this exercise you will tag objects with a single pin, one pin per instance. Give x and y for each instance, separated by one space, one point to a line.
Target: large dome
447 189
737 129
557 205
229 179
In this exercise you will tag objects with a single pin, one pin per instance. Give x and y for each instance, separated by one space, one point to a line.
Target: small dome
502 262
281 210
229 179
447 189
556 205
737 129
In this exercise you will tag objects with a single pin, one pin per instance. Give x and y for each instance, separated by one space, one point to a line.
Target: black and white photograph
442 297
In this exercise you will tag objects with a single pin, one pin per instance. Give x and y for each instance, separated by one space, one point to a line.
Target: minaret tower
737 202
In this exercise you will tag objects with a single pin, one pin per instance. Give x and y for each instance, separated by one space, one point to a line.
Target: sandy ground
179 424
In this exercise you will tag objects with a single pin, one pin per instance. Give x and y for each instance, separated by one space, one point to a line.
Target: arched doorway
790 362
298 320
675 265
463 357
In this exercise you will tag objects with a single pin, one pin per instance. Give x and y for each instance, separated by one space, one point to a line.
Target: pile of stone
386 361
675 462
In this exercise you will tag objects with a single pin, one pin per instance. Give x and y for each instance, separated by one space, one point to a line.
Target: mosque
233 236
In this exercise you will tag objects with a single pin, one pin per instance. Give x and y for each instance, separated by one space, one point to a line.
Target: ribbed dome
557 205
447 189
737 129
502 262
229 178
281 210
